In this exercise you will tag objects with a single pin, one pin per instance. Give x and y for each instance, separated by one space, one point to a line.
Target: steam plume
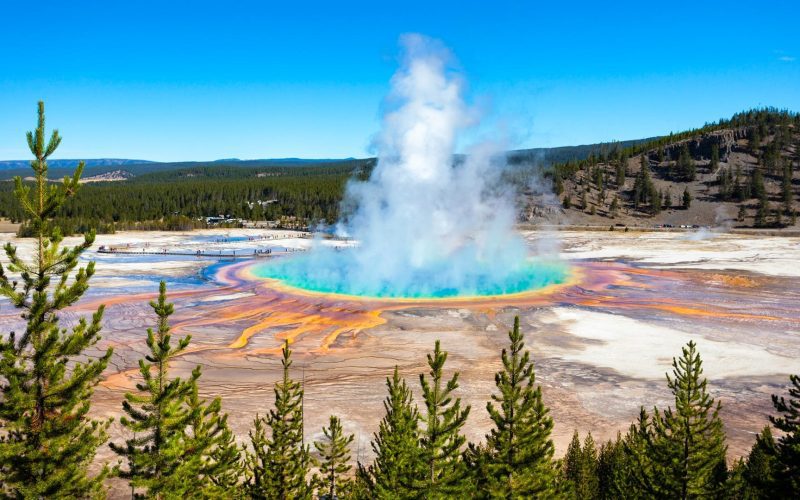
427 226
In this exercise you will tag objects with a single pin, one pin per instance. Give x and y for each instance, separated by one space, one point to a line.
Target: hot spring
342 276
430 223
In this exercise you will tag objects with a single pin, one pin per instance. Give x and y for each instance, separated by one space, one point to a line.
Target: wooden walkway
213 255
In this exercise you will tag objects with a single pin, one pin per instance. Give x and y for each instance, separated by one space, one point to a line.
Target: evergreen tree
180 445
335 454
620 181
755 138
441 442
667 203
655 201
762 212
687 445
590 465
580 467
558 184
685 167
736 487
635 479
219 466
598 178
278 463
477 459
396 443
725 182
757 189
567 203
47 440
572 465
759 469
787 475
611 465
362 486
257 212
257 460
159 418
740 189
786 189
642 187
614 206
520 451
687 198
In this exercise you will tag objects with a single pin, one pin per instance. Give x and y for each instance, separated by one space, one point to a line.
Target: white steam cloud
426 225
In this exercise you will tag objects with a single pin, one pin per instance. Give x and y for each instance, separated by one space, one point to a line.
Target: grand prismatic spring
602 339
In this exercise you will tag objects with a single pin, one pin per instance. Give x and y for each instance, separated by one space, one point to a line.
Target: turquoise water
341 273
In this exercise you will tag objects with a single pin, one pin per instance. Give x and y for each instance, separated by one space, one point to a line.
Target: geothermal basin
603 324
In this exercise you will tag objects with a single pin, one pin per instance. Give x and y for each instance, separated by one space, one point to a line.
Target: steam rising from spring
427 224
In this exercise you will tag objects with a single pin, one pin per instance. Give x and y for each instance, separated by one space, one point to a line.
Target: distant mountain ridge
68 163
100 166
279 161
117 162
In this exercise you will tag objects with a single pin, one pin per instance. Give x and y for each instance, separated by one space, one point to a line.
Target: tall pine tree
687 446
46 378
590 465
571 464
180 445
635 478
211 441
685 167
444 473
788 445
278 462
334 453
787 190
580 467
520 451
760 468
611 465
396 444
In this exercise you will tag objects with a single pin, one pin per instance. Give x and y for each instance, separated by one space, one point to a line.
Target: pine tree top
46 380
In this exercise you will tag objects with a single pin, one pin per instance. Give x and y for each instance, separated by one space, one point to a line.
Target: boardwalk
231 254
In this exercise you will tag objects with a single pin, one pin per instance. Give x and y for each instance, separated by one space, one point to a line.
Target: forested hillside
737 172
176 199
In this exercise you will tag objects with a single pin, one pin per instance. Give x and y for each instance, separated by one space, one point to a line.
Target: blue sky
206 80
